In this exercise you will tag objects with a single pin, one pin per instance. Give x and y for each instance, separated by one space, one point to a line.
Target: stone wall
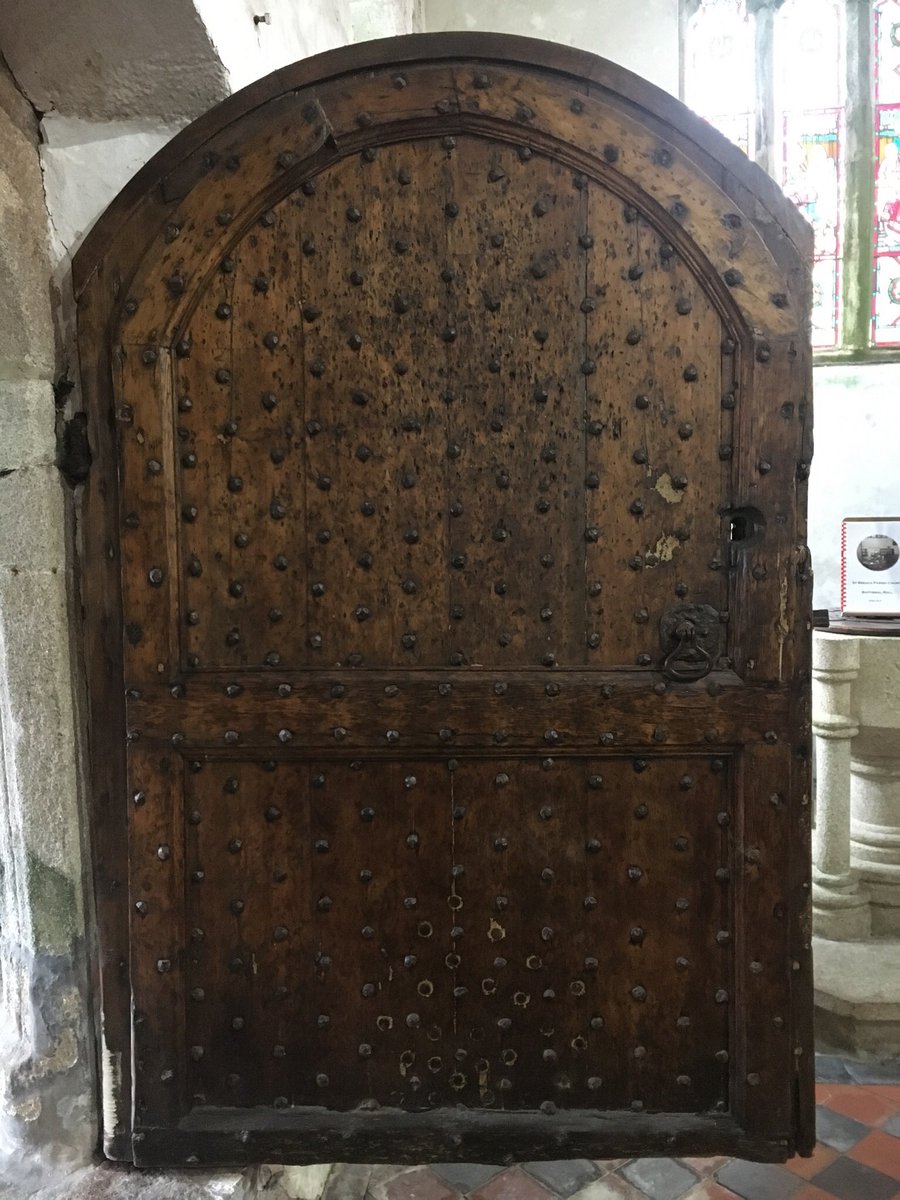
254 37
46 1049
109 59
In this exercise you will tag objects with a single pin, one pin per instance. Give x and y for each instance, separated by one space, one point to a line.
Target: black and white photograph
878 552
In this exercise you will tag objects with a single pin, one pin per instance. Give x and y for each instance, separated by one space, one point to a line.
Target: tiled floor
857 1158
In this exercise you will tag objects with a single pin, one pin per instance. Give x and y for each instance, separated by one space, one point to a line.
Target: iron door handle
690 637
687 660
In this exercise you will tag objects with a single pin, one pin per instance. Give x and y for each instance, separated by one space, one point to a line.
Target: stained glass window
886 275
809 101
719 67
781 85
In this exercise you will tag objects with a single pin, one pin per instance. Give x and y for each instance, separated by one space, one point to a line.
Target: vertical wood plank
488 389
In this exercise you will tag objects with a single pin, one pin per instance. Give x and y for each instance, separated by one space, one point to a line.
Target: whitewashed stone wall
46 1050
283 32
642 37
385 18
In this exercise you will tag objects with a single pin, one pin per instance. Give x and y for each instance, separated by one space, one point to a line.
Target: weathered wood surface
238 1137
345 711
424 390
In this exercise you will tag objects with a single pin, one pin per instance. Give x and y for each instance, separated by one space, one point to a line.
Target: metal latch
690 634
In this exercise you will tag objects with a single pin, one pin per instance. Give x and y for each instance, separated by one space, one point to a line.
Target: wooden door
446 602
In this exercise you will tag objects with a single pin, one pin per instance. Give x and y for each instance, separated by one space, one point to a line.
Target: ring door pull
687 660
690 637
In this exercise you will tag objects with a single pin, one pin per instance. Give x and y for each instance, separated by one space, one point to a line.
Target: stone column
875 835
875 781
840 911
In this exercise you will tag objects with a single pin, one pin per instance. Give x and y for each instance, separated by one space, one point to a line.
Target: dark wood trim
101 603
475 125
609 712
237 1137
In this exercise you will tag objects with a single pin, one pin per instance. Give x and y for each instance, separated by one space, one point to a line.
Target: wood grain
424 388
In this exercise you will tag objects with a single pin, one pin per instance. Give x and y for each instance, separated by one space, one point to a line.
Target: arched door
447 620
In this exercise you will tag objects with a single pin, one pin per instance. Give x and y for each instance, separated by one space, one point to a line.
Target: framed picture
870 566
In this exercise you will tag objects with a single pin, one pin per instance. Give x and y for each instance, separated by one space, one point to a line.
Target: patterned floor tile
849 1180
610 1187
834 1129
347 1181
659 1178
704 1167
862 1103
382 1174
758 1181
418 1184
875 1072
857 1158
710 1190
465 1177
830 1068
879 1150
512 1184
807 1168
566 1177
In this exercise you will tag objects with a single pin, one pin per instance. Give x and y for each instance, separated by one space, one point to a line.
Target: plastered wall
642 37
856 471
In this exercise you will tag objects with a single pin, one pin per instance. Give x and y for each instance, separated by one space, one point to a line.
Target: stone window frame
858 199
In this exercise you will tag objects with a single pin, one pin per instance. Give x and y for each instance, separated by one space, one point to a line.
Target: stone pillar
875 783
875 836
840 911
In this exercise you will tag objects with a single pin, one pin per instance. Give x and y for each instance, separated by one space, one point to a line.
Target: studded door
445 540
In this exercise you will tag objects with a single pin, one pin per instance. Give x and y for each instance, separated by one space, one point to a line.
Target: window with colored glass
810 89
